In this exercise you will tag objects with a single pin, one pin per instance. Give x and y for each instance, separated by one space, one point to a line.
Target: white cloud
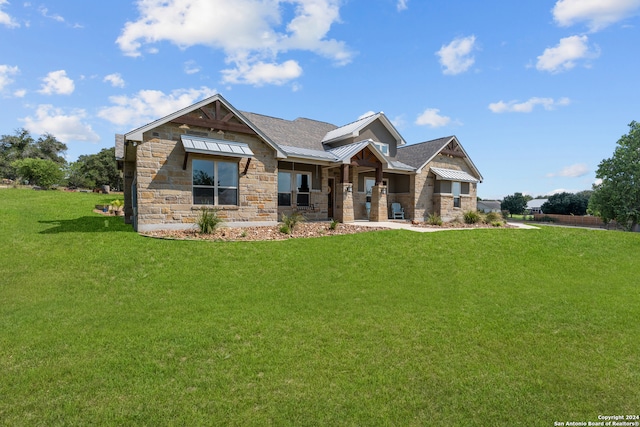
260 73
573 171
6 72
563 57
58 83
5 18
431 117
598 14
402 5
191 67
20 93
114 79
149 105
45 12
65 127
250 32
456 57
527 106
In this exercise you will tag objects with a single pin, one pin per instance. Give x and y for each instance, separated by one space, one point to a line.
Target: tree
23 146
99 169
41 172
515 204
617 197
566 204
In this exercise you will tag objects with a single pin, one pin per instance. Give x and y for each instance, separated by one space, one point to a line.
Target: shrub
434 219
292 220
285 229
334 225
471 217
545 218
497 223
208 220
491 217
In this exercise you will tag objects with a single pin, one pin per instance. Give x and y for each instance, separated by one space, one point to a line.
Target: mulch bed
302 230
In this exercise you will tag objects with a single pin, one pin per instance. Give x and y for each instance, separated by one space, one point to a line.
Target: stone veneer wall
165 199
443 204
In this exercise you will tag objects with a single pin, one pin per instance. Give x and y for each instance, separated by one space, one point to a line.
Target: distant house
487 206
535 206
253 168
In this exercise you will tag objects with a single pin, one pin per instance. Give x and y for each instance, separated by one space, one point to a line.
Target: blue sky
537 91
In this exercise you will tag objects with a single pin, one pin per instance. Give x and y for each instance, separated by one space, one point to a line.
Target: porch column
344 197
378 203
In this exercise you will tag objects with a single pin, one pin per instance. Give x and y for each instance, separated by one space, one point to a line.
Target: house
487 206
535 206
253 168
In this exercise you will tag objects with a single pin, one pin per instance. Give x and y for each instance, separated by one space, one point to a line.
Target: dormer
375 127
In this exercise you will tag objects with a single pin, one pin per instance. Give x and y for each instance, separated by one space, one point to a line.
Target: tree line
41 162
615 198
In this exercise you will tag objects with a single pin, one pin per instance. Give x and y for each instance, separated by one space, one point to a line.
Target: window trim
216 186
382 147
293 191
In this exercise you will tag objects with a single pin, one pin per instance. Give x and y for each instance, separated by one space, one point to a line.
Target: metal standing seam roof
214 146
308 153
453 175
347 151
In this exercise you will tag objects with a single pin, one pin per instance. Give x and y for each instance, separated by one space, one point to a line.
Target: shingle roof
300 133
417 155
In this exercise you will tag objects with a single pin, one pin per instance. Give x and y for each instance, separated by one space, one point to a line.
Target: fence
580 221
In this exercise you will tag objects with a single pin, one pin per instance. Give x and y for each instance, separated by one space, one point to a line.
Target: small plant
208 220
284 229
292 220
117 205
333 225
434 219
471 217
497 223
243 234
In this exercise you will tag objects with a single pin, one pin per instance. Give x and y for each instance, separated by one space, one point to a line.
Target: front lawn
100 326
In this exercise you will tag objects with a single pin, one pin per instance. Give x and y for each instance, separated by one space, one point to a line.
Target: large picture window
215 182
294 186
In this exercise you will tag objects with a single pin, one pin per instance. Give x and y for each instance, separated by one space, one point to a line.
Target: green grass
100 326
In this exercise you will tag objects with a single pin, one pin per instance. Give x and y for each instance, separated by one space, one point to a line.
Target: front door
330 197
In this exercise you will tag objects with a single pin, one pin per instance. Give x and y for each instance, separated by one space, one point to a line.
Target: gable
375 126
422 154
214 114
216 117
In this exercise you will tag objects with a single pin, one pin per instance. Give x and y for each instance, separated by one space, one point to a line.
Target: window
455 189
303 187
290 182
284 189
209 190
384 148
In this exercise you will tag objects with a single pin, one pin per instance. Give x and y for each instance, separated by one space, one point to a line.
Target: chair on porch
397 212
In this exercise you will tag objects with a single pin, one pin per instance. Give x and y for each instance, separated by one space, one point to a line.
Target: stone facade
158 173
164 187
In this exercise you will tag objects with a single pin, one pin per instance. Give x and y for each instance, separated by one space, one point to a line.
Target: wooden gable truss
215 117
